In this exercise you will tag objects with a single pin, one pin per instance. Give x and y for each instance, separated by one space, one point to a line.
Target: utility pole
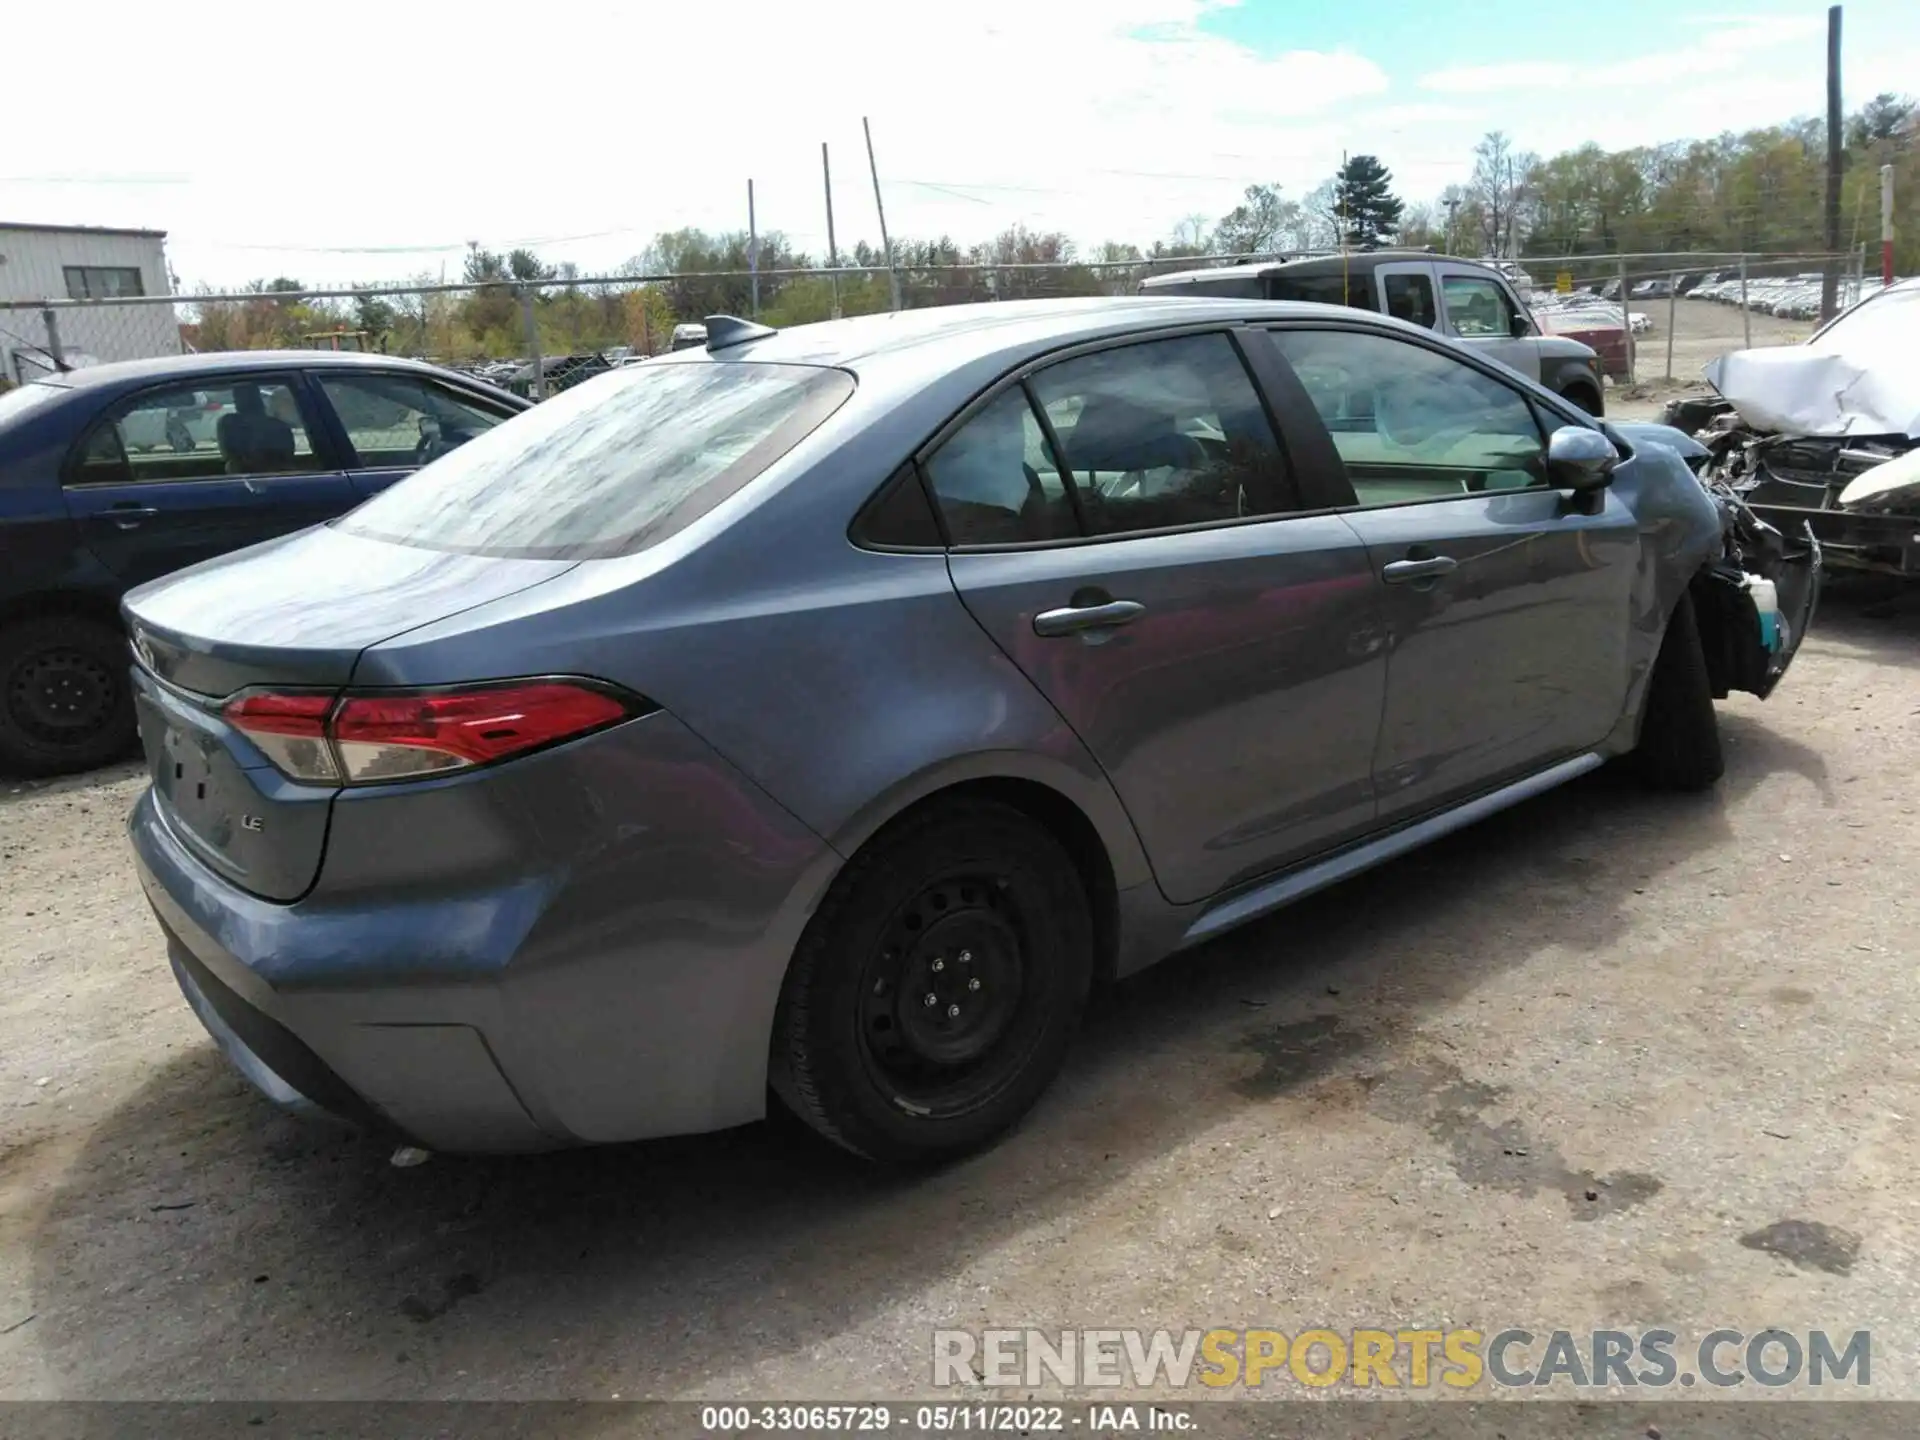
879 205
1452 205
1886 224
1836 157
833 250
753 251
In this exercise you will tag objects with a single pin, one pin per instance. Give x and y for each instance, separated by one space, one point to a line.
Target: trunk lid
294 614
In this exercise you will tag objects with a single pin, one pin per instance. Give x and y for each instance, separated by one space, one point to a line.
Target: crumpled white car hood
1859 376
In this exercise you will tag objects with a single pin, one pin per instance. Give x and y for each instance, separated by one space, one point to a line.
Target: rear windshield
609 466
24 398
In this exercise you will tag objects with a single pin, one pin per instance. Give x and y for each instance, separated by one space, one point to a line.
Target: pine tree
1368 210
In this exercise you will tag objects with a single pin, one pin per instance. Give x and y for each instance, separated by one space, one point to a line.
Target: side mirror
1580 459
1520 326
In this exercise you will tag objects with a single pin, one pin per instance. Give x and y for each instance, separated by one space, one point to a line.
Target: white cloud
278 138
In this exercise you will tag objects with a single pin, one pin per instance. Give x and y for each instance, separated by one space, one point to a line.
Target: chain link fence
539 337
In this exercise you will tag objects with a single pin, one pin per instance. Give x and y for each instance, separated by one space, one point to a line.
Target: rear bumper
620 985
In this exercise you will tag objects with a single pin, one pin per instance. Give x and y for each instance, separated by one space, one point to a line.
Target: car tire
965 906
1679 745
1584 396
65 701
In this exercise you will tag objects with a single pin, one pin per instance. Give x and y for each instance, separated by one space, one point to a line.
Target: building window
101 282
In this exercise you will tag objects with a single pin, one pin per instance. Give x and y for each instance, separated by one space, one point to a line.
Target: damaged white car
1824 438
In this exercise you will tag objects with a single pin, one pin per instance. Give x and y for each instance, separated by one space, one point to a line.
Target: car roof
1360 260
957 333
223 362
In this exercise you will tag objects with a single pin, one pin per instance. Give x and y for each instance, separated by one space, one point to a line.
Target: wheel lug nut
932 1000
966 957
938 966
973 984
952 1011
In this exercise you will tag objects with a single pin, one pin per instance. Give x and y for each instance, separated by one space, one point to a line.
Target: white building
83 262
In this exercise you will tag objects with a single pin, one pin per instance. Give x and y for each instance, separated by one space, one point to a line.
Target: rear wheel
935 992
65 704
1679 745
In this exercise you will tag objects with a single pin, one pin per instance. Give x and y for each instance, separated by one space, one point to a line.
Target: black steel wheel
934 995
64 698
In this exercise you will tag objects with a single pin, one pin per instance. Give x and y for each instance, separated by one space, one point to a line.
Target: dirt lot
1701 330
1565 1069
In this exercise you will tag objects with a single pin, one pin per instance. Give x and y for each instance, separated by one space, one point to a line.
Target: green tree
1368 211
1261 224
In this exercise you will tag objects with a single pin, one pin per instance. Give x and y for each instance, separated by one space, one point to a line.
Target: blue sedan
117 474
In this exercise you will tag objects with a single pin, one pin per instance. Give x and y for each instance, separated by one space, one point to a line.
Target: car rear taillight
365 738
290 730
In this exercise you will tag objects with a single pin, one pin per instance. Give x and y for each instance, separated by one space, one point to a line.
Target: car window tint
610 465
1476 306
996 481
400 421
1410 298
1413 423
1353 289
238 427
1170 432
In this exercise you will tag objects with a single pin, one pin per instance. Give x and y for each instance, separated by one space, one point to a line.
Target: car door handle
1073 619
1399 572
131 517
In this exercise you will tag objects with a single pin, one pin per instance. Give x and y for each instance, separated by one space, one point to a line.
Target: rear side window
1354 289
1154 436
1165 434
1410 298
250 426
609 466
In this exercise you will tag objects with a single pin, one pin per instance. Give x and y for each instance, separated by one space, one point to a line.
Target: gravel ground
1592 1062
1701 331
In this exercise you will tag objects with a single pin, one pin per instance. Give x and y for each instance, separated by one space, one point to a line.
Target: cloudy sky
374 141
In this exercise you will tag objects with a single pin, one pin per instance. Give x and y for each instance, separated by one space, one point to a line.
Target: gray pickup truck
1472 303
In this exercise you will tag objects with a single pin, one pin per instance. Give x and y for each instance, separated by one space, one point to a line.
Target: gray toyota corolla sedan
822 713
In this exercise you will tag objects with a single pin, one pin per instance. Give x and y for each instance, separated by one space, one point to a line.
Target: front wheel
65 701
1679 745
934 994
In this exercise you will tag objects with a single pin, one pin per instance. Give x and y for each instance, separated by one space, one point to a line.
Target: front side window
400 421
240 427
102 282
1477 307
610 465
1412 423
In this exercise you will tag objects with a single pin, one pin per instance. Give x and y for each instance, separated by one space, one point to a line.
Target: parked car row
1792 297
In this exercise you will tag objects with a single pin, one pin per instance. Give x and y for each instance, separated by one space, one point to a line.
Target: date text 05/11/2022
1095 1419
